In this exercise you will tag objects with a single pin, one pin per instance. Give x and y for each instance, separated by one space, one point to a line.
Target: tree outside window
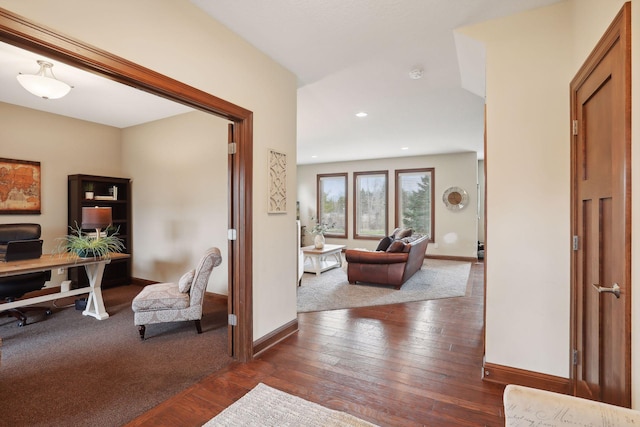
370 207
414 200
332 203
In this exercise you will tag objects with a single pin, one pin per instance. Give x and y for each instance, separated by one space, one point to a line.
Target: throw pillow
384 244
412 238
396 246
405 232
393 234
184 284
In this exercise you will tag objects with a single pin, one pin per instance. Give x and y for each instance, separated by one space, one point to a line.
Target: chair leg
21 315
141 330
22 319
198 326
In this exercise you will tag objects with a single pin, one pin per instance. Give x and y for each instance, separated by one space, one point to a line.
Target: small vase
318 241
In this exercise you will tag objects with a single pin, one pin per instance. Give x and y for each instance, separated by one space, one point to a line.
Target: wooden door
601 220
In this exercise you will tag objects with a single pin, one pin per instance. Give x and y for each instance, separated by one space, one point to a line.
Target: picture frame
20 187
277 168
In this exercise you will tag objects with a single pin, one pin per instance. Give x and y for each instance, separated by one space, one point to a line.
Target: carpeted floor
265 406
71 370
331 289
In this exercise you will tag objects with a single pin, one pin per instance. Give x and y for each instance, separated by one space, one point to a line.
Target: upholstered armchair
174 302
525 407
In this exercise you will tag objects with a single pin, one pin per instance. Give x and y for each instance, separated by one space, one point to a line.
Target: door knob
613 290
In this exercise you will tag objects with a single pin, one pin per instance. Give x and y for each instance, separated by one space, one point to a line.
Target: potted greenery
318 231
88 190
89 245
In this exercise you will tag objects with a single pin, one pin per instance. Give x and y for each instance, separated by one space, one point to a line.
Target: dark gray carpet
67 369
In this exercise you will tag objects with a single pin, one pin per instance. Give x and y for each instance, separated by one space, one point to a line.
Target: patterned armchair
171 302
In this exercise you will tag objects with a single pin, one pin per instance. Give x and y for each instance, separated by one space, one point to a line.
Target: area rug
331 290
266 407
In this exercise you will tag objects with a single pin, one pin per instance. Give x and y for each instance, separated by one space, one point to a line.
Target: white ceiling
356 55
93 98
348 56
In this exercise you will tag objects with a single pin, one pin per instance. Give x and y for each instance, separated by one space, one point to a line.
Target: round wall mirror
455 198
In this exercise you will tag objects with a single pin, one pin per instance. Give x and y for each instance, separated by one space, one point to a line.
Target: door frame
21 32
619 31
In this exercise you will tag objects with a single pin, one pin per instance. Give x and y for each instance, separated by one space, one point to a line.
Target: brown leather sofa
386 268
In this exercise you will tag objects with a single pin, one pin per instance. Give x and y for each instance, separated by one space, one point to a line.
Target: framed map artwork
19 187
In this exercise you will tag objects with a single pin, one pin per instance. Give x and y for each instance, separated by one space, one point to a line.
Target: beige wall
197 50
178 168
528 73
455 232
531 58
63 146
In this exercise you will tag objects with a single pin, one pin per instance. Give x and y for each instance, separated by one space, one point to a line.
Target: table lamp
96 217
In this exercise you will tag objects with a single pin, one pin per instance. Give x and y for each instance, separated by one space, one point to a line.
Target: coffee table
320 260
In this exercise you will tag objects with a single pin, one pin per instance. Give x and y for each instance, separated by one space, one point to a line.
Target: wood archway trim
21 32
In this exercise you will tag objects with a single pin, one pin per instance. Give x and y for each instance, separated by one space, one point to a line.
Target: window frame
356 175
398 193
319 213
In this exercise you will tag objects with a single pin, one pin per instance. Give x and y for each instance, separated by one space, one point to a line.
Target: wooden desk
330 256
93 266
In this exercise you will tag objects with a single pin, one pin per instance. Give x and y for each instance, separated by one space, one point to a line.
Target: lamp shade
44 84
97 217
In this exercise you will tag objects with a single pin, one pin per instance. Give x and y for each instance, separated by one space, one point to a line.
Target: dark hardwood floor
410 364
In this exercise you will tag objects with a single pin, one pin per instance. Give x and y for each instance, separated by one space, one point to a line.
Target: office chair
14 287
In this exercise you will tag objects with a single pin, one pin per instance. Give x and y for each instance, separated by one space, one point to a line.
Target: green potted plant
89 245
318 231
88 190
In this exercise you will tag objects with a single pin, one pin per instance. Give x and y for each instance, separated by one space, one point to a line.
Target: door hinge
575 357
231 234
233 320
233 148
575 243
575 127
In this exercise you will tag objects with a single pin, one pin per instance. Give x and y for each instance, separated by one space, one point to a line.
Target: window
370 207
332 203
414 200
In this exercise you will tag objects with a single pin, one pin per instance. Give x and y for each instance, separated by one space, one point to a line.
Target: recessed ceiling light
361 114
314 157
404 148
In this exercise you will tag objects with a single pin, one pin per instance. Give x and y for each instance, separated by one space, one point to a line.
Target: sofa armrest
367 257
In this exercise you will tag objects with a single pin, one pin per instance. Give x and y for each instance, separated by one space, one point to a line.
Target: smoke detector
416 73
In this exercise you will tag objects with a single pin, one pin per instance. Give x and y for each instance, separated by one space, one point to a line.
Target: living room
527 155
456 232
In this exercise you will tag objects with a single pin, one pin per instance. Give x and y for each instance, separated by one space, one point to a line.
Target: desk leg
95 304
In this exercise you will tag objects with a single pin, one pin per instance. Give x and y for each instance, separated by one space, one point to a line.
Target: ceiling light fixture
416 73
361 114
404 148
44 84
